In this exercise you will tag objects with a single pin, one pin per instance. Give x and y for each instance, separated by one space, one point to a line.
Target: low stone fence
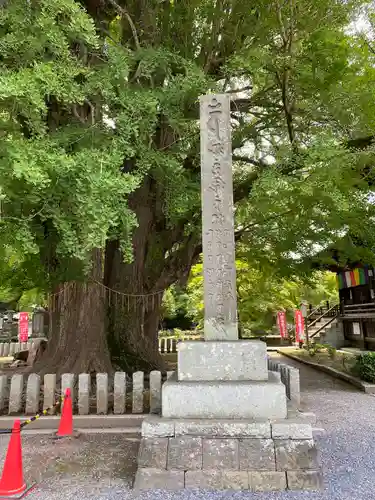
11 348
169 344
166 345
290 378
102 394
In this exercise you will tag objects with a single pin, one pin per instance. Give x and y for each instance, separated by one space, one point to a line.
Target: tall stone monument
220 322
224 422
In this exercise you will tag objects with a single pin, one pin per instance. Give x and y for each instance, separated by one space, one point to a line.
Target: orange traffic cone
12 484
66 422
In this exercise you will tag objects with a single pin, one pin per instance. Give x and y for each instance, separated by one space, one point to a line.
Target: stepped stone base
251 399
211 360
178 454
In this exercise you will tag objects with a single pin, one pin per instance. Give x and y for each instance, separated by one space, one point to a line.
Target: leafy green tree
20 284
62 190
261 294
100 149
175 313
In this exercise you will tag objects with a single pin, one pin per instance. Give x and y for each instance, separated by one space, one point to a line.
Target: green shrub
364 367
331 350
315 348
347 363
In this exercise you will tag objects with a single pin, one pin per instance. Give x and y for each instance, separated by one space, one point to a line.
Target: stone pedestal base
178 454
225 398
236 360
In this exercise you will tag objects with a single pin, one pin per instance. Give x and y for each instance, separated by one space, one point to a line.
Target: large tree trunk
79 345
133 315
134 312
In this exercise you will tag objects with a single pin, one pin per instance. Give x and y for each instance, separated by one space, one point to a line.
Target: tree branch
243 189
177 266
246 228
243 105
124 12
237 91
287 37
246 159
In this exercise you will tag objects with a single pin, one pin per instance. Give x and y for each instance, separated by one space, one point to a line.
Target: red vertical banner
281 320
299 322
23 327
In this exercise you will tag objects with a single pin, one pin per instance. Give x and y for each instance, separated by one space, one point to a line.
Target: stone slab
49 390
156 479
224 399
138 389
84 383
235 480
219 268
154 427
119 396
308 417
83 423
220 454
298 416
155 392
222 428
101 393
291 430
305 480
32 394
257 454
67 382
15 394
217 480
296 455
267 481
237 360
185 453
153 453
3 395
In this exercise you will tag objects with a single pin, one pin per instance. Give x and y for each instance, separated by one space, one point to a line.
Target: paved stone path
102 467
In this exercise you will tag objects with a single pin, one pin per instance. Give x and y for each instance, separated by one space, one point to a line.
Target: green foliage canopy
84 96
261 294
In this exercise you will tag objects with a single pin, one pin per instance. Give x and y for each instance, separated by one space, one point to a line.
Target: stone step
319 327
225 455
225 398
321 323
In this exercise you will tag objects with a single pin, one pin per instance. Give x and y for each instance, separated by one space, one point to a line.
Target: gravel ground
102 466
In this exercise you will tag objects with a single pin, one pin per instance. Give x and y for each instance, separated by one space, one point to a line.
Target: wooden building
356 286
356 289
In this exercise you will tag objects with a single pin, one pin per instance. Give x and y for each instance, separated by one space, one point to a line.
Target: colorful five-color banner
356 277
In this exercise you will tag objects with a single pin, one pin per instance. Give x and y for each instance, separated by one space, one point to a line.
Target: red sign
281 320
298 318
23 327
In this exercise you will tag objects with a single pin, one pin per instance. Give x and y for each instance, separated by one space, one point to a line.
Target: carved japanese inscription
218 219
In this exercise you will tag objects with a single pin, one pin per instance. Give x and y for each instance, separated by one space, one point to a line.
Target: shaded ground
170 360
103 466
96 459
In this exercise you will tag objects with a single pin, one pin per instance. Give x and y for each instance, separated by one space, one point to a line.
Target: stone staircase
330 332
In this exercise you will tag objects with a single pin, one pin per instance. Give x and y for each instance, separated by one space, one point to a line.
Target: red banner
281 320
23 327
299 321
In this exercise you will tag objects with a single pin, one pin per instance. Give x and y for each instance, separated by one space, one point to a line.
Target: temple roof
348 253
